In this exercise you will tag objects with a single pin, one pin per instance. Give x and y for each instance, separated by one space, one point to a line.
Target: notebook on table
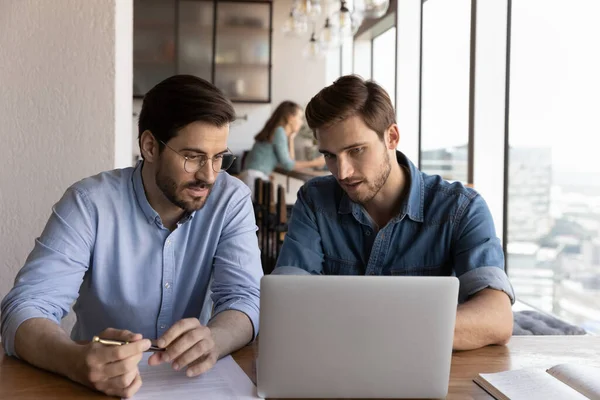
562 381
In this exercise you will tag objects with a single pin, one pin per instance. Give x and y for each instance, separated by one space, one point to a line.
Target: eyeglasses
193 164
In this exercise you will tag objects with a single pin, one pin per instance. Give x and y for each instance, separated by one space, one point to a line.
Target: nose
206 173
344 168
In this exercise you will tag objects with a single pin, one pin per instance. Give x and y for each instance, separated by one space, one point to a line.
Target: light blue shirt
265 156
106 247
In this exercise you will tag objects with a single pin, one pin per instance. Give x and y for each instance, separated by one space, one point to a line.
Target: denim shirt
106 248
443 229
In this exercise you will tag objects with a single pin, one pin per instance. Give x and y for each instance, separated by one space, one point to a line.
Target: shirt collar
140 194
413 204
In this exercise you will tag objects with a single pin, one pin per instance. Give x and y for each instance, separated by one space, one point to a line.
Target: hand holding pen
109 363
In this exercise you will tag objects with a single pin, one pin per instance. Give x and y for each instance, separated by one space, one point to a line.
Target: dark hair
178 101
279 118
348 96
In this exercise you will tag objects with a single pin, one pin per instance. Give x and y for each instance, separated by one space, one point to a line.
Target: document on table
226 380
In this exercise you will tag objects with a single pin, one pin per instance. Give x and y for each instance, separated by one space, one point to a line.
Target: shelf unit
227 42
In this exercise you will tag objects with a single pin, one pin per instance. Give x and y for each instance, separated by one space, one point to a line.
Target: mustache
199 185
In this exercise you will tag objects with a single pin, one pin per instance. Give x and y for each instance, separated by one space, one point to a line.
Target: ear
149 146
393 137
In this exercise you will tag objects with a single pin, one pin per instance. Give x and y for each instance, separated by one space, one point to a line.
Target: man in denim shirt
143 250
379 215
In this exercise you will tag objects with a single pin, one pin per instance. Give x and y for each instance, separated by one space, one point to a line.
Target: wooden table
20 381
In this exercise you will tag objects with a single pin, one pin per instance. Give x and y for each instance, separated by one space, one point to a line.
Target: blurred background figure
274 145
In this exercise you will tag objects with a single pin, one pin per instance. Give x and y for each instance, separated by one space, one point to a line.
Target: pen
111 342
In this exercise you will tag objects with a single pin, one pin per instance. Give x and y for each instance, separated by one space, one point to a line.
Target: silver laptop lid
356 336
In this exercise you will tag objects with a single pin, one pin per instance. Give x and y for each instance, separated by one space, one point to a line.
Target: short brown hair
348 96
180 100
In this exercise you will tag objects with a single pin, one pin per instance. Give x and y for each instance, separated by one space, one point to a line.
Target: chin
195 205
363 198
192 204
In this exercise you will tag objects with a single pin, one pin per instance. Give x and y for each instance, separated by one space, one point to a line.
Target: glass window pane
362 58
554 191
445 88
153 43
195 38
347 50
384 62
242 54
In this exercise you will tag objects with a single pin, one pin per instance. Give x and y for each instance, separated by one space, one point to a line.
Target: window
445 88
384 62
553 228
362 58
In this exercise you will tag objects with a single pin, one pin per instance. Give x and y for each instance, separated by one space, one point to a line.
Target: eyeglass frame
202 163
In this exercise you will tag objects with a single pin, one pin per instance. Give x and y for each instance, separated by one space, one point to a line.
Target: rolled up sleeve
237 265
477 252
302 245
49 281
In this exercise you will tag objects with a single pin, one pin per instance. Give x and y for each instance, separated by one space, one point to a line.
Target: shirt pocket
338 266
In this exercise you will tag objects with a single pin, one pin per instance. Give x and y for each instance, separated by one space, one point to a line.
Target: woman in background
274 145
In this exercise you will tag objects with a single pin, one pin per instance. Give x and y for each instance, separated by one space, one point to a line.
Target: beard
372 187
174 192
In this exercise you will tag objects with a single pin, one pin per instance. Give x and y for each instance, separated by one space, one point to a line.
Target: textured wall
57 111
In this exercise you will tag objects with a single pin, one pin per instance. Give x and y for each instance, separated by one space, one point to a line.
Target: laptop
356 336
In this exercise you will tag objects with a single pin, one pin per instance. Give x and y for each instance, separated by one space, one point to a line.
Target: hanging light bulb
372 8
331 6
312 49
304 6
315 10
295 24
311 9
329 36
346 21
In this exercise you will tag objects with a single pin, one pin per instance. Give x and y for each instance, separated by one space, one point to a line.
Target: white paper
226 380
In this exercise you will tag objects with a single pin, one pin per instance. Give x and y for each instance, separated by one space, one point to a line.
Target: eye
219 156
191 157
328 156
357 150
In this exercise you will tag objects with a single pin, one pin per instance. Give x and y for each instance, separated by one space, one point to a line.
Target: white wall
123 82
294 77
58 117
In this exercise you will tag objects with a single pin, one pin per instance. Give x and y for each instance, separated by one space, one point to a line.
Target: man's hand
189 344
113 370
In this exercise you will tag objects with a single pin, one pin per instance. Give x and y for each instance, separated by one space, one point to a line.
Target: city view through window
554 169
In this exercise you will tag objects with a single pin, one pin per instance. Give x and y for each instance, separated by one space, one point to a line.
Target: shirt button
169 241
163 326
167 285
368 233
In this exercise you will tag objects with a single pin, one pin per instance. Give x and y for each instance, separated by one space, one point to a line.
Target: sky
554 83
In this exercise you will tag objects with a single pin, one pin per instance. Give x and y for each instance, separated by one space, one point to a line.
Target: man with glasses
166 250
